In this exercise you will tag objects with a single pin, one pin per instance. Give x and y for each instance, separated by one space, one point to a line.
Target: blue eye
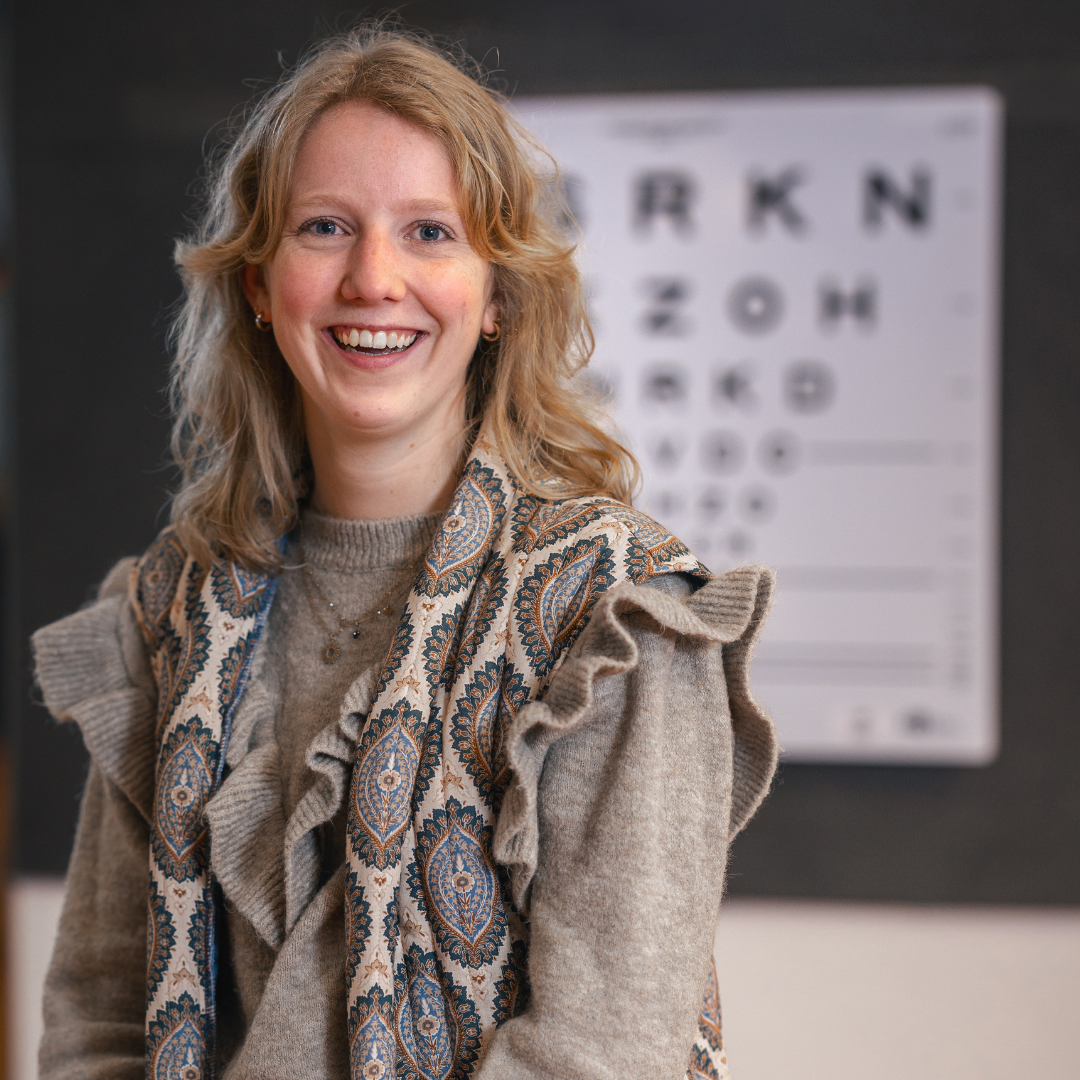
324 228
430 232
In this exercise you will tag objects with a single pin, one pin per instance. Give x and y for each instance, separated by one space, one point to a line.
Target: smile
378 343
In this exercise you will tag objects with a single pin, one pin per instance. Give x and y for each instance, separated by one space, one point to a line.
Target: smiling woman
386 163
432 745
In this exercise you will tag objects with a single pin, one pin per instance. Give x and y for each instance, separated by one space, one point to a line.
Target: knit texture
629 779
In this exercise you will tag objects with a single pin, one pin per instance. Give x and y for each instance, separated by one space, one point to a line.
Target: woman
432 745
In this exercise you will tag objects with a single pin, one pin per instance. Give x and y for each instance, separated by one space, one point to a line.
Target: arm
93 670
96 984
633 807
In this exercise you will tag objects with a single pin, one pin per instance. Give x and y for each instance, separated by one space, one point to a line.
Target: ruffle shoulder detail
92 668
737 604
728 610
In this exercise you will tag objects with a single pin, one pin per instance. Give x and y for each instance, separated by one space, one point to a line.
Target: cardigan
636 797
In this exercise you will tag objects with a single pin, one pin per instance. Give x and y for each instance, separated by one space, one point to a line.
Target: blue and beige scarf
436 949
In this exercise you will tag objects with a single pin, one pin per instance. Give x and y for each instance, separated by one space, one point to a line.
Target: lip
372 363
375 327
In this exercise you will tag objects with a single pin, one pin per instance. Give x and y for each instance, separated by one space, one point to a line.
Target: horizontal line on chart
794 663
840 677
873 452
840 652
856 578
853 662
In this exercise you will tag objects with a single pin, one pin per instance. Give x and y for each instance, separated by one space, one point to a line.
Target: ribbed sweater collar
339 544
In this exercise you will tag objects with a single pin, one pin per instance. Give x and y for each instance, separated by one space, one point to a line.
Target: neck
403 474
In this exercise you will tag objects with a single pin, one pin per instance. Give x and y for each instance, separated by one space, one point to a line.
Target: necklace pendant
331 652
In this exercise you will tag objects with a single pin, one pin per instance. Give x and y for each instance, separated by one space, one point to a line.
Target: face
374 294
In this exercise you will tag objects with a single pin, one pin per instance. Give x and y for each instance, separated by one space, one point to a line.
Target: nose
375 272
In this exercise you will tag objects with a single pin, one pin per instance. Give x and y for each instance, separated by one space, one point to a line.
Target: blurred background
883 921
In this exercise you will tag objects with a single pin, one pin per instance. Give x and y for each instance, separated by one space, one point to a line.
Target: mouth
362 341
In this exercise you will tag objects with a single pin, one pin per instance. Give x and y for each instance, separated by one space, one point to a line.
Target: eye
429 231
321 227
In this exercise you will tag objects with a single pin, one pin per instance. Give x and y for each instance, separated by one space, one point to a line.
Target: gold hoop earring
496 335
262 325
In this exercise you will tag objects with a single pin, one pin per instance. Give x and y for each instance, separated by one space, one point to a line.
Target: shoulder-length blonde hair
238 433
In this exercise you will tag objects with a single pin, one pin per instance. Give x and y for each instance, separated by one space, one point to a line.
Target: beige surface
816 991
812 991
33 913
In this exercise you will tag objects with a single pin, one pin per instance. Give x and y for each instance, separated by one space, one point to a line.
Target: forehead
360 150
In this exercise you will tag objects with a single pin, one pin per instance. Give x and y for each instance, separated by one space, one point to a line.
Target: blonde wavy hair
238 434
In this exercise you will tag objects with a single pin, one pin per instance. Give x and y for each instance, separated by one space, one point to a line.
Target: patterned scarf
437 951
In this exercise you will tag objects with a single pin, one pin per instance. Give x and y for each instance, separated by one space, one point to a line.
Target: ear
491 313
253 282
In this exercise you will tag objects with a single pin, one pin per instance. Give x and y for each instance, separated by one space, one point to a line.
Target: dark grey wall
112 101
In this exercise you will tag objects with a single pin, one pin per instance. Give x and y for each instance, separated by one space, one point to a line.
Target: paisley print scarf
436 950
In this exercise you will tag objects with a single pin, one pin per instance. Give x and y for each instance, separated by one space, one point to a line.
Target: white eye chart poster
795 299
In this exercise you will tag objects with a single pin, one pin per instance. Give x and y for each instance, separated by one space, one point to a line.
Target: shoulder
637 547
92 668
105 647
660 660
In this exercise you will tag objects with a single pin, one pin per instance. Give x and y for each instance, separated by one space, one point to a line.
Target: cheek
298 288
456 295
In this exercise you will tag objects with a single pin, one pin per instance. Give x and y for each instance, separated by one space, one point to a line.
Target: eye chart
795 303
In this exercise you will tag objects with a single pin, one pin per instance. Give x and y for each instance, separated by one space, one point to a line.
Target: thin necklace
332 650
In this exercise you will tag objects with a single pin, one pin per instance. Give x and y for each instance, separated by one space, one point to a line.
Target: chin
385 419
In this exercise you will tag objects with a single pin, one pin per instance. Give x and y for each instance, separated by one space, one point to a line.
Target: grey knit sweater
645 757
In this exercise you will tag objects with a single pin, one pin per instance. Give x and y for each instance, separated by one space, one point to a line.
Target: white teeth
365 339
